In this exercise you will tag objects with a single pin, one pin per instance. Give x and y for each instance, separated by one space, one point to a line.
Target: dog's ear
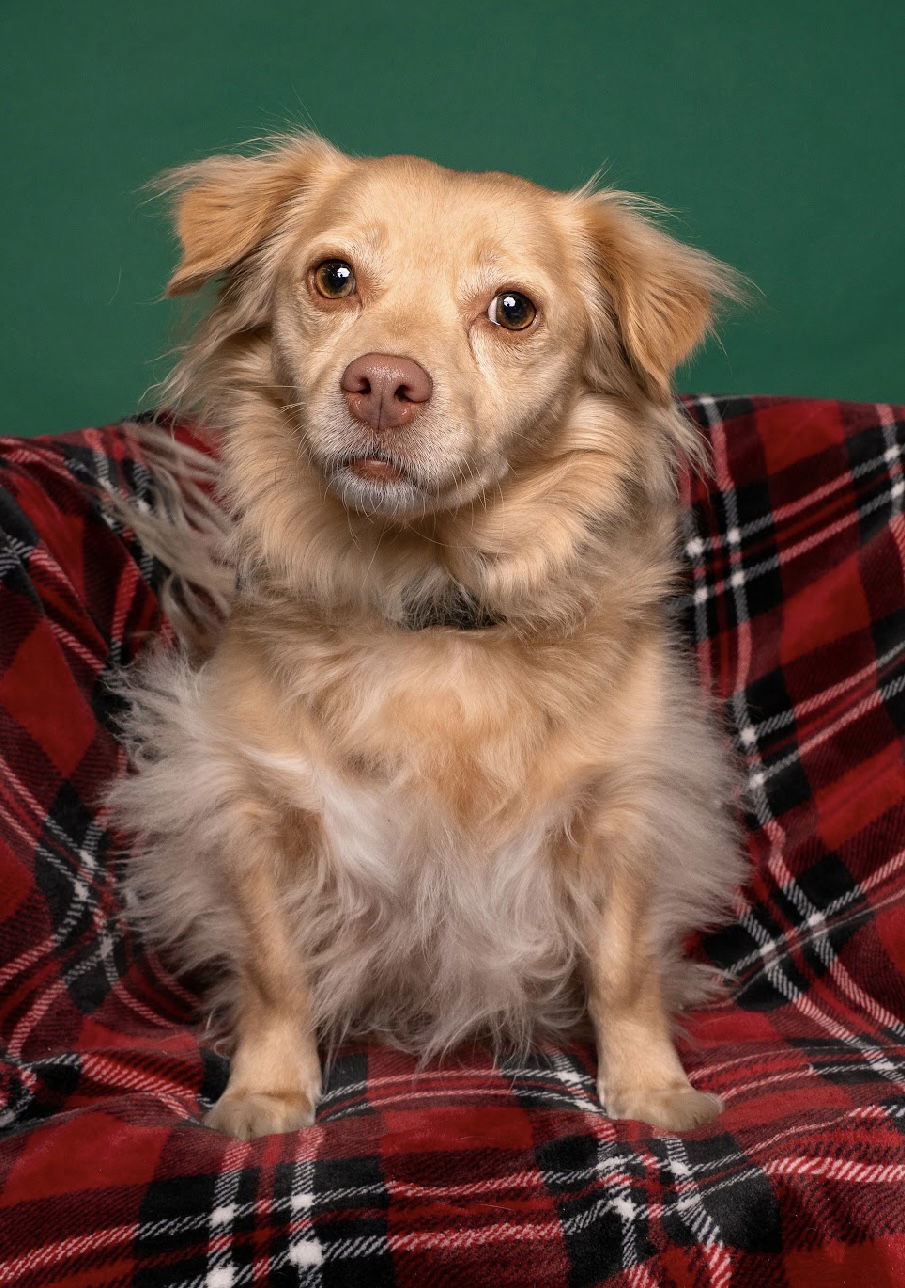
227 205
661 294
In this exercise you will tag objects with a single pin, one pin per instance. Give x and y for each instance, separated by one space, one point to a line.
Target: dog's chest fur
438 895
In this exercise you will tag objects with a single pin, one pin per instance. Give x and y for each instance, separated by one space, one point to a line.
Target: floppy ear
662 293
227 205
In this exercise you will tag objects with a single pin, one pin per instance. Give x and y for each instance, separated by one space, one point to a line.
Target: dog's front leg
275 1078
639 1075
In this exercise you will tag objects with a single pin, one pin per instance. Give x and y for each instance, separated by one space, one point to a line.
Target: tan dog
445 774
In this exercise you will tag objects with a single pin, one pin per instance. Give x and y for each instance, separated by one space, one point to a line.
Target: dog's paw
672 1108
247 1114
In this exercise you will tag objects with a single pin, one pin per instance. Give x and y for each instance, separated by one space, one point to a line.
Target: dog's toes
672 1108
247 1114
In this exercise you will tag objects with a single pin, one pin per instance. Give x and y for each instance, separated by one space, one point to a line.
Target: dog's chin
377 485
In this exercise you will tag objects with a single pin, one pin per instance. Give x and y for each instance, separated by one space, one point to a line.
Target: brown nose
384 391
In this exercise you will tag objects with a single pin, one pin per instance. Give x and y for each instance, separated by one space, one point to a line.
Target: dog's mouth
375 482
377 469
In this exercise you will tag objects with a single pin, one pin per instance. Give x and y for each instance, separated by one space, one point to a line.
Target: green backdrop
773 129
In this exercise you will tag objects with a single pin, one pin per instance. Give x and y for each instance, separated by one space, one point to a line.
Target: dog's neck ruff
456 610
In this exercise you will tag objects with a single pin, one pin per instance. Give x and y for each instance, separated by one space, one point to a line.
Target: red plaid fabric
475 1174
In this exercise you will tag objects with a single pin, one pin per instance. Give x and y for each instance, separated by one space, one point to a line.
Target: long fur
443 815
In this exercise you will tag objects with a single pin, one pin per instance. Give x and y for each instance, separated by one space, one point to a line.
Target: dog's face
431 326
431 331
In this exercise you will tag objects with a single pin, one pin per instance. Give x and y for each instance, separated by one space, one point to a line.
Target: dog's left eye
511 310
334 279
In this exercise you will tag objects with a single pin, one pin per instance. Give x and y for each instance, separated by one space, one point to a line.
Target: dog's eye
334 279
511 310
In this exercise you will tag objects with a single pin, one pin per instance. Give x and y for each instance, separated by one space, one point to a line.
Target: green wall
774 130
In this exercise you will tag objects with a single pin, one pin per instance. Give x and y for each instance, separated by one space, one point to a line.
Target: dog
446 773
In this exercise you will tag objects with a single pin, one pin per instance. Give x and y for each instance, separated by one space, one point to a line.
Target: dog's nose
385 391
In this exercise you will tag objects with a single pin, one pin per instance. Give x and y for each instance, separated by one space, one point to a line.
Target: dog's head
425 332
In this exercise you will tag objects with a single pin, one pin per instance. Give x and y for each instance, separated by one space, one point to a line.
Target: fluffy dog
446 773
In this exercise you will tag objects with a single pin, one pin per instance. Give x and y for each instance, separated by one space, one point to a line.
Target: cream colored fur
435 834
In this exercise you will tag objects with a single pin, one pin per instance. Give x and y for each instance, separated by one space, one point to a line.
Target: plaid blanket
474 1173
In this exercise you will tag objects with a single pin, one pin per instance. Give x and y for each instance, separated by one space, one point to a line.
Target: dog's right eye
334 279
